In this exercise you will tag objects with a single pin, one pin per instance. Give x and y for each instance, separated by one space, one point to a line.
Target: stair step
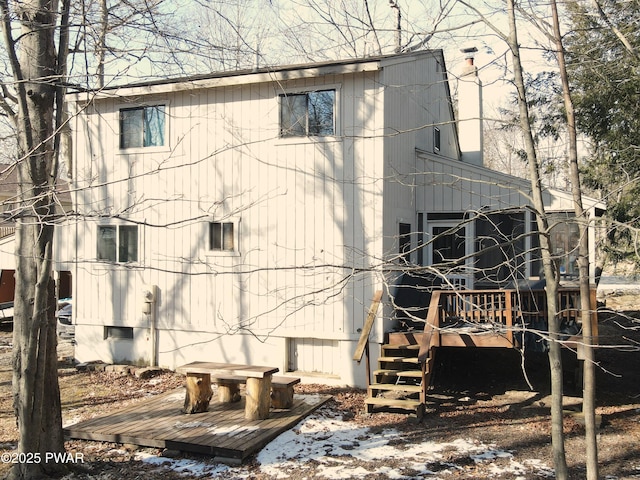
398 359
399 373
407 404
408 346
395 387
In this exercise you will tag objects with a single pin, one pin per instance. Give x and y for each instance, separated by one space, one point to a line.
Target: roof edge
238 77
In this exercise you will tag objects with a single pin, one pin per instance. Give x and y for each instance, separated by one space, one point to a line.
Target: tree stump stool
258 398
282 391
198 393
229 389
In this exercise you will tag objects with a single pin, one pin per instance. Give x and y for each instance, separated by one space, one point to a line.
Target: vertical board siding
461 187
301 204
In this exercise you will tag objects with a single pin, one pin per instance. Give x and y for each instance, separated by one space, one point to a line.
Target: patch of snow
194 424
72 421
233 428
184 466
325 446
175 397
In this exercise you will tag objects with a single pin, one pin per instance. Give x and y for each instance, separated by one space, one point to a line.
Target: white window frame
235 251
132 106
117 262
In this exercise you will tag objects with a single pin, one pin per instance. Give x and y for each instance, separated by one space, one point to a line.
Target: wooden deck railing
6 231
510 313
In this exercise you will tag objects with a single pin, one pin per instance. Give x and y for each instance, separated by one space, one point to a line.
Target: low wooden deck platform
221 432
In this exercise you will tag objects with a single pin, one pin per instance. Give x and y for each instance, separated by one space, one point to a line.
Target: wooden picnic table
201 374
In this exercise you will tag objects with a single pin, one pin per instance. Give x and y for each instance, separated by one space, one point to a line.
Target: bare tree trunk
36 393
589 386
555 353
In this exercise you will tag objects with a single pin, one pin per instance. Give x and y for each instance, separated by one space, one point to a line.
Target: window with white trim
309 114
142 126
118 243
224 236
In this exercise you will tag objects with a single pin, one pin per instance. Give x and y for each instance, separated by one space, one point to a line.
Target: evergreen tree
605 75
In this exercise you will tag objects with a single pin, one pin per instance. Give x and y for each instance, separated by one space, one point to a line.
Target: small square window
118 243
308 114
118 333
222 236
142 126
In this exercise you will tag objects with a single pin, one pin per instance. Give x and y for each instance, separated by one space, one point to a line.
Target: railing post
508 306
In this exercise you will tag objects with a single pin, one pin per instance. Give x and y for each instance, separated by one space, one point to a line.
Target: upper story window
142 126
308 114
436 139
118 243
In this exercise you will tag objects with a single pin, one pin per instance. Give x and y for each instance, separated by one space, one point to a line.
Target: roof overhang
243 77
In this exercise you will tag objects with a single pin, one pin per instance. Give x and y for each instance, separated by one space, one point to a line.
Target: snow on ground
325 446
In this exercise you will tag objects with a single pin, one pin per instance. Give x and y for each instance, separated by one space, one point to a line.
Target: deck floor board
222 431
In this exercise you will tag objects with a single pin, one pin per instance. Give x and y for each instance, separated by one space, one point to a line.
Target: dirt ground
481 395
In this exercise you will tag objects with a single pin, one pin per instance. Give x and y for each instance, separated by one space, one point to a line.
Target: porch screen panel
448 244
499 249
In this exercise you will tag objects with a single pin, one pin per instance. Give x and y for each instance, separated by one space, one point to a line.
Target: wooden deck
221 432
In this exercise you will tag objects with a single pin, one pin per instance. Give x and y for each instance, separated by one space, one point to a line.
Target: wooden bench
281 389
198 386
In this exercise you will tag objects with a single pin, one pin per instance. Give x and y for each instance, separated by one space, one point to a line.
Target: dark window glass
128 245
320 106
142 126
293 115
500 248
448 244
221 236
107 243
404 241
307 114
118 243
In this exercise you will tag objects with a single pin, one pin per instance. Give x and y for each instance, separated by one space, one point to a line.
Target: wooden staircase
401 381
487 318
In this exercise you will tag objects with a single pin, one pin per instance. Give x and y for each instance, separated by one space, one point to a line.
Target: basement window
118 333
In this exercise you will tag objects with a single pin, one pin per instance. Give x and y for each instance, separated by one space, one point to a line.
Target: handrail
368 325
431 328
363 343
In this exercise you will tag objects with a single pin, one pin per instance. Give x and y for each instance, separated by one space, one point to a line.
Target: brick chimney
470 110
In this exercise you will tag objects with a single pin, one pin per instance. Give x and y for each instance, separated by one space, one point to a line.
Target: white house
250 216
